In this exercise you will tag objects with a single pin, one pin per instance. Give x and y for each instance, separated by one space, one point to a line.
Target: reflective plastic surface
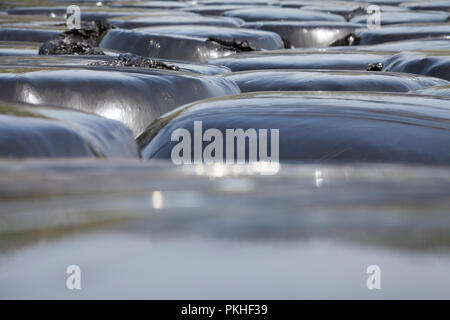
322 127
296 80
32 131
133 98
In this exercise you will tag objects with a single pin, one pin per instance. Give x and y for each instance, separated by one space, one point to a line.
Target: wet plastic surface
364 175
257 39
289 59
321 127
443 5
132 98
176 47
433 43
275 13
29 35
30 131
295 80
430 64
181 19
97 62
307 34
443 90
388 18
402 32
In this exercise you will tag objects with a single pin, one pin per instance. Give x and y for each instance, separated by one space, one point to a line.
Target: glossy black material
133 98
28 58
388 18
364 176
176 47
276 13
181 19
32 131
429 64
442 5
257 39
54 12
346 9
322 127
433 43
13 48
237 2
28 35
289 59
216 10
151 5
443 90
295 80
314 34
401 32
